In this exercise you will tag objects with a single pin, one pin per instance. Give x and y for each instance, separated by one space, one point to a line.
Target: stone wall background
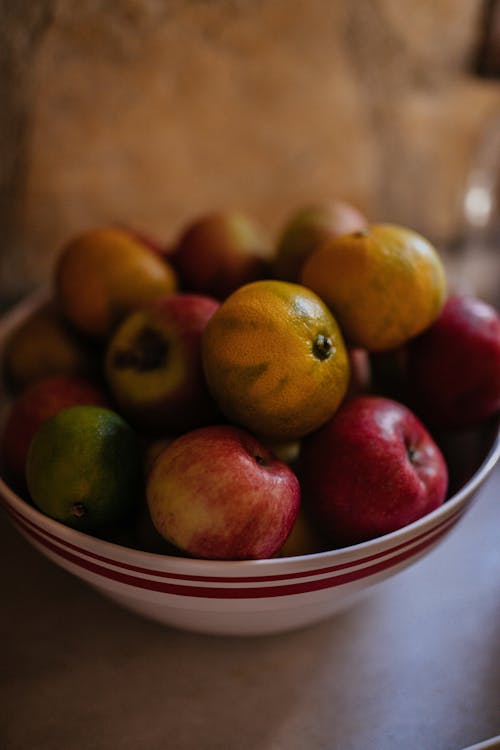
152 111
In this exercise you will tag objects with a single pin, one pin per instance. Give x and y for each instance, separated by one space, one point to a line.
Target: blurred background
149 112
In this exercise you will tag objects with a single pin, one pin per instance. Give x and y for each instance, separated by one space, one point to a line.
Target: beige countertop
415 665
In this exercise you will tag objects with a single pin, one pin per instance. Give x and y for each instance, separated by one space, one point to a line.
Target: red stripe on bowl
235 579
260 592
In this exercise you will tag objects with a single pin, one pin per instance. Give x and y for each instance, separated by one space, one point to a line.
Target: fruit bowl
248 597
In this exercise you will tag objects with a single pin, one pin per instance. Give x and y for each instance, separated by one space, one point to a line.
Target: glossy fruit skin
36 404
453 367
169 396
104 274
218 493
220 252
370 470
384 285
307 229
263 363
84 468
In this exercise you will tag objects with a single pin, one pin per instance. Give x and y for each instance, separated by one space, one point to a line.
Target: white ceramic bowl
238 598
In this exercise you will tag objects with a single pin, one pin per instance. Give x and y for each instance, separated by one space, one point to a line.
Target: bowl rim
11 500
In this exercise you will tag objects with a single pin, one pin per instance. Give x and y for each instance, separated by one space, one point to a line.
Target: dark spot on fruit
361 233
411 452
322 347
148 351
255 371
78 510
259 460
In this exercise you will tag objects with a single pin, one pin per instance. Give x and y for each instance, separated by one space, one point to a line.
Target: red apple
37 403
220 252
371 469
308 228
148 539
153 365
218 493
360 372
454 366
389 373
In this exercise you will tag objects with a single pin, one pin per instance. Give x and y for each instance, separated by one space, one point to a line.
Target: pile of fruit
227 399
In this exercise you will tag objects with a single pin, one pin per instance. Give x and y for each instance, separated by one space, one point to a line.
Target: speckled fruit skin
218 493
37 403
169 396
84 468
384 284
372 469
275 360
454 366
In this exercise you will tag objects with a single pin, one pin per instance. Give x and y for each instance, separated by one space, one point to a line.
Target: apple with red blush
308 228
148 539
360 377
219 252
218 493
37 403
453 367
372 469
153 365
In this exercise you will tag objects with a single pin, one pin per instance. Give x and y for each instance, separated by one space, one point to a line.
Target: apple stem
412 454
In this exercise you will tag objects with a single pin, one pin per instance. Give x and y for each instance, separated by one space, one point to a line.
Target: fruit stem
412 453
322 346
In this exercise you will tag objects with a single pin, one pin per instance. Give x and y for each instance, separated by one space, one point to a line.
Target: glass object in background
479 271
475 266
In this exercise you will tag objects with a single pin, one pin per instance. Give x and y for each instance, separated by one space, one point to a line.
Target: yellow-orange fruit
106 273
307 229
275 360
384 285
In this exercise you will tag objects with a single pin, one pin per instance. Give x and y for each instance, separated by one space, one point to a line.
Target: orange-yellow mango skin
104 274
